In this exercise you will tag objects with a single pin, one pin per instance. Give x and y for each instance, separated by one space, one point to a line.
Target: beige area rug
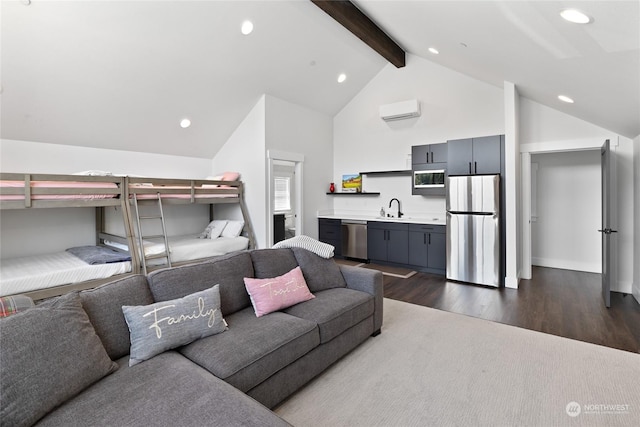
434 368
402 273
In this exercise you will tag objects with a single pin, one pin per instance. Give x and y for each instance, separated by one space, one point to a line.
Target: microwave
429 178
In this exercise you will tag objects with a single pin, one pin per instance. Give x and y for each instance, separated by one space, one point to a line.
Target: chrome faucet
399 211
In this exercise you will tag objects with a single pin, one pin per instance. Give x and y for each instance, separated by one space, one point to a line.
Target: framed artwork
352 183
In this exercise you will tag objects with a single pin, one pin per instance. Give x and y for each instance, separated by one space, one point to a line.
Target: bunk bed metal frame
145 190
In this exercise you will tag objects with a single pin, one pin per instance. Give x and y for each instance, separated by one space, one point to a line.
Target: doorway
284 213
530 211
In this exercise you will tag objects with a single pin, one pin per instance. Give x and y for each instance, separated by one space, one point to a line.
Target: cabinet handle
475 167
470 168
429 238
424 238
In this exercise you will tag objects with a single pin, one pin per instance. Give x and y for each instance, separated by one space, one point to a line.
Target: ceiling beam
350 17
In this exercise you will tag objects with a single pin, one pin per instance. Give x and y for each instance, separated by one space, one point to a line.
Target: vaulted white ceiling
122 74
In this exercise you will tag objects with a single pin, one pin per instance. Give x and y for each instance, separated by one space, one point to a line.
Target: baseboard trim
567 265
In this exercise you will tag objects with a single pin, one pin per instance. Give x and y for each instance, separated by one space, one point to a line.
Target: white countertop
407 219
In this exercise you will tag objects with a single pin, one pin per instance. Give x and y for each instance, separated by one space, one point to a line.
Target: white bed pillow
232 229
218 226
214 229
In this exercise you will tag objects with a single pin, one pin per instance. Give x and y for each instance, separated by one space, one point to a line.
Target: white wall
38 231
294 129
37 157
453 106
568 203
636 215
244 152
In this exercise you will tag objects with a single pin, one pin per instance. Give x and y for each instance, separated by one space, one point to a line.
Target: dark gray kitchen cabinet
428 157
427 246
330 231
388 242
431 153
475 156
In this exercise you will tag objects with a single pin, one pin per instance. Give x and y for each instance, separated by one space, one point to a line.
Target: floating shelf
344 193
395 172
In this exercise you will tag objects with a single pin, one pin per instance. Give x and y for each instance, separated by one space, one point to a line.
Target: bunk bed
166 250
52 274
43 276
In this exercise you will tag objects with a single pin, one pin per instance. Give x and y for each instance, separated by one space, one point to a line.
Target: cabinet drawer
330 233
428 228
329 222
388 225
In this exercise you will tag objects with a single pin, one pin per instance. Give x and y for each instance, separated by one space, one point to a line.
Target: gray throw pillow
319 273
49 354
269 263
159 327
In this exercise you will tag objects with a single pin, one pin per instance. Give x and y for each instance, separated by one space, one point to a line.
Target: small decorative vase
332 187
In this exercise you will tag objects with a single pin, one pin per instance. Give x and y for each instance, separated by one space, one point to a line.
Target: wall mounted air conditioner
400 110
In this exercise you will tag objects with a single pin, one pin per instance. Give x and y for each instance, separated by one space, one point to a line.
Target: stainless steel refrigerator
473 229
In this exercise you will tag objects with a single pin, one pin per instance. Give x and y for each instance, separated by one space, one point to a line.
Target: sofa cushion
272 262
254 348
159 327
334 310
104 307
269 295
227 270
320 273
168 390
49 354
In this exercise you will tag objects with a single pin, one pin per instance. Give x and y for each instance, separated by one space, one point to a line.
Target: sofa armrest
369 281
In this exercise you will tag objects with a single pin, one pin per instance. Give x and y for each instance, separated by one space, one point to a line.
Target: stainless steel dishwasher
354 239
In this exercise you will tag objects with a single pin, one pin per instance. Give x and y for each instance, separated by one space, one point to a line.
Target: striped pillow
14 304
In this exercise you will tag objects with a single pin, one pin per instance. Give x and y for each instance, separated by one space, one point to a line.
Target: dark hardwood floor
559 302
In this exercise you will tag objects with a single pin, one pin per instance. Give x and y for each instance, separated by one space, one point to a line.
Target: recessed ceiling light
342 77
566 99
434 50
246 28
575 16
185 123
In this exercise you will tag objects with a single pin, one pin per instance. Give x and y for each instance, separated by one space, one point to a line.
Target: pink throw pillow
230 176
269 295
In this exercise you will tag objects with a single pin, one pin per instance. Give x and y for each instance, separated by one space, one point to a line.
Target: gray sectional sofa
79 374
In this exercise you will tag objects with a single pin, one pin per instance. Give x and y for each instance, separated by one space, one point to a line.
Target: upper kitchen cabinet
427 154
431 157
475 156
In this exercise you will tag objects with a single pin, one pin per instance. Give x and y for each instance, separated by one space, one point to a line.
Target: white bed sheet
19 275
189 247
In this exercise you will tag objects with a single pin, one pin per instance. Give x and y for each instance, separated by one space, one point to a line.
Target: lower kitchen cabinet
427 246
388 242
330 231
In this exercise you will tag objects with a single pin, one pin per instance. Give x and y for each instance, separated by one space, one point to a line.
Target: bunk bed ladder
160 216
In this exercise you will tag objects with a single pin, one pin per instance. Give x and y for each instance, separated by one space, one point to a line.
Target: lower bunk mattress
32 273
189 247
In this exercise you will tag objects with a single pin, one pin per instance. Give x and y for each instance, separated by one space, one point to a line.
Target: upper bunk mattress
25 274
73 186
181 192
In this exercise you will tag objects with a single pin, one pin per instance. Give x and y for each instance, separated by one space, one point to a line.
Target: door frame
298 160
526 150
